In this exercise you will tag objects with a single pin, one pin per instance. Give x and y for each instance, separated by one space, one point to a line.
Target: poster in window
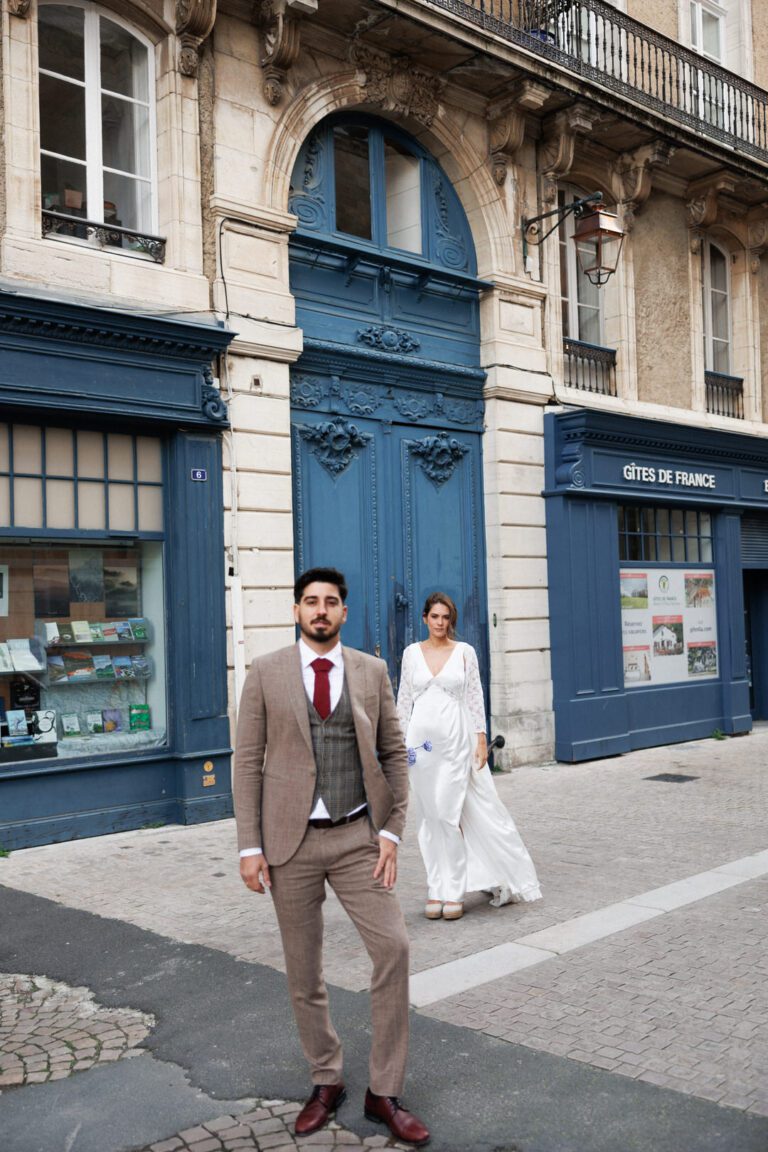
669 625
51 585
121 590
86 576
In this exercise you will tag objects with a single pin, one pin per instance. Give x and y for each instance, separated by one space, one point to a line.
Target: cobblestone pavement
679 1001
49 1030
268 1128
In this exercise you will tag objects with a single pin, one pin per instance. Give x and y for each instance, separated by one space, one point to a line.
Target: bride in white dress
467 838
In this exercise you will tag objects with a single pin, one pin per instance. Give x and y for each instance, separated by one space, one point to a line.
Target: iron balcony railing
592 39
107 235
589 367
725 395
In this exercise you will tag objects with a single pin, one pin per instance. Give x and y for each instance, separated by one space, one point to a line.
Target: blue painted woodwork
161 381
387 404
399 509
69 358
197 658
432 295
586 457
756 601
447 240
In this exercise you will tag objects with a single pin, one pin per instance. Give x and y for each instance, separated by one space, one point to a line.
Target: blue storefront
657 543
113 692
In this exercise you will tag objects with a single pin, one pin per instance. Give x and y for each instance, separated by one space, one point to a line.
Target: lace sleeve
473 692
405 692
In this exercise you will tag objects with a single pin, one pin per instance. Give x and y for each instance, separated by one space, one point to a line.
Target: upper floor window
708 29
716 308
357 179
387 208
96 120
581 300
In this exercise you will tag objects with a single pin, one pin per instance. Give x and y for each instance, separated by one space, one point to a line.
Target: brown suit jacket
274 779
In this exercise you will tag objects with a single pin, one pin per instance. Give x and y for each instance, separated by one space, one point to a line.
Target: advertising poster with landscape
669 625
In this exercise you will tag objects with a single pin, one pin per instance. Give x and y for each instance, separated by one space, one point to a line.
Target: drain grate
671 777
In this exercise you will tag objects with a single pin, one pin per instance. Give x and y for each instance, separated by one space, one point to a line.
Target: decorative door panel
439 520
336 514
398 508
387 397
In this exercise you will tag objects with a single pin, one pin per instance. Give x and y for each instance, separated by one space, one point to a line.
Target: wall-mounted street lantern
598 235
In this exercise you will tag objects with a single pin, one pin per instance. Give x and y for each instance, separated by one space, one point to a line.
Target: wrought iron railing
107 235
595 40
589 367
725 395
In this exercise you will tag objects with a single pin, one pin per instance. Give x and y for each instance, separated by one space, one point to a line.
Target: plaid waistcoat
339 779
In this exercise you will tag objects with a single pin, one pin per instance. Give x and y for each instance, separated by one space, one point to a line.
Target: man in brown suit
321 784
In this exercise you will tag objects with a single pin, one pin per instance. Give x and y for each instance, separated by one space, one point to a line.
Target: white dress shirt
336 681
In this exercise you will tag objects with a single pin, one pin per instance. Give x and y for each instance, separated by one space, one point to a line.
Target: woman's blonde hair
445 600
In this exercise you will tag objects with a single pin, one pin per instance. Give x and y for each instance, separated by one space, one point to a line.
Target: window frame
91 84
656 533
707 291
571 304
712 8
377 178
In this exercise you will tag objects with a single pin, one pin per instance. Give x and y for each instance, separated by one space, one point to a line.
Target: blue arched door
387 409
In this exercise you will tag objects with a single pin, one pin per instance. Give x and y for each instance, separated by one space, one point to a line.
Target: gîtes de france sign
643 474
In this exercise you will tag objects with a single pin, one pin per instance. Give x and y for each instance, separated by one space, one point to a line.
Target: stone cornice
247 213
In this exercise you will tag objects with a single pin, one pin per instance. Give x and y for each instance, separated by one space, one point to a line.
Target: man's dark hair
322 576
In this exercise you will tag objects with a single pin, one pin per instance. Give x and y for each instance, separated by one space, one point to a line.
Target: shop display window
82 648
668 602
661 534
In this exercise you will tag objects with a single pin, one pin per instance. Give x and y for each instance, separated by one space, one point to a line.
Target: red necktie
322 695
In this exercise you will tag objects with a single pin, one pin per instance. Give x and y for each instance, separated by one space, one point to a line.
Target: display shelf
110 680
92 644
104 742
90 633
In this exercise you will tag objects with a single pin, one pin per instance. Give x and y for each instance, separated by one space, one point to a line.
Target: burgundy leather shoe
403 1125
316 1113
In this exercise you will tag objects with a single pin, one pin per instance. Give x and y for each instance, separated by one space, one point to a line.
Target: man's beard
327 633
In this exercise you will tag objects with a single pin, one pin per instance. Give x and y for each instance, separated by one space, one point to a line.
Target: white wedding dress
467 837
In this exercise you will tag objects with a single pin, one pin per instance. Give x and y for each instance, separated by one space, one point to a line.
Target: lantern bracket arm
575 208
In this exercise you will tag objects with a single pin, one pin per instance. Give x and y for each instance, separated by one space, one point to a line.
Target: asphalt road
224 1037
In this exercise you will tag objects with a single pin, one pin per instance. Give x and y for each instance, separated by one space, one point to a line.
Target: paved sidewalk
678 1002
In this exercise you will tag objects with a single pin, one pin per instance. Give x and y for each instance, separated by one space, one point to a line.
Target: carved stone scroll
506 135
281 31
757 243
704 204
633 176
393 83
19 8
559 147
194 23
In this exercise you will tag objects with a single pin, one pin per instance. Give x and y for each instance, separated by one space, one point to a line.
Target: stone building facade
399 379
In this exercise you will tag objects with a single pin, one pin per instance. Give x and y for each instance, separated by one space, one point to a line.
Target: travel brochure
19 726
75 665
21 655
54 633
102 722
669 625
